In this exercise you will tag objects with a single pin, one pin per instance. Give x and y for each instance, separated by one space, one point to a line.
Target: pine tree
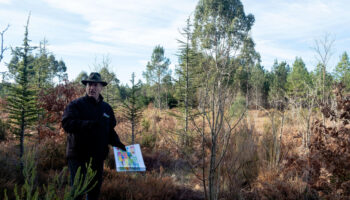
322 83
132 107
81 76
247 59
168 91
299 80
278 86
110 91
41 67
186 73
256 81
21 101
156 70
45 68
47 71
342 71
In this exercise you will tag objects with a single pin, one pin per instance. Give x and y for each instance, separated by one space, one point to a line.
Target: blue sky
81 32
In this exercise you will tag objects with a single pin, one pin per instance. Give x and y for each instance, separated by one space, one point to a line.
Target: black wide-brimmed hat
94 77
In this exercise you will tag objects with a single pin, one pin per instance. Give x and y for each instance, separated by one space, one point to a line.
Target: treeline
167 89
260 87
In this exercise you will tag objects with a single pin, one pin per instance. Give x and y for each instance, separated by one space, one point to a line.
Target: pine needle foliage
57 188
21 99
132 107
187 73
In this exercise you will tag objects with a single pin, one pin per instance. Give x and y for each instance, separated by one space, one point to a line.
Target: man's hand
122 146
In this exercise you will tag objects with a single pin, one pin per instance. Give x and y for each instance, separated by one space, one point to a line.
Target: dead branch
2 48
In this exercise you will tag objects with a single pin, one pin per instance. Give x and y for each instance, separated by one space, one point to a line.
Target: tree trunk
203 160
323 91
186 94
280 141
158 95
212 170
21 139
133 131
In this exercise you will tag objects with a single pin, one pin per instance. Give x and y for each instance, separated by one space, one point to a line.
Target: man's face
93 89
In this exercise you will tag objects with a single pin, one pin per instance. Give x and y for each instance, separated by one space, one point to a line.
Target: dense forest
219 126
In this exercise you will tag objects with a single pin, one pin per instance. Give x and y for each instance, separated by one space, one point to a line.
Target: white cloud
79 48
272 50
144 23
295 19
128 30
5 1
286 29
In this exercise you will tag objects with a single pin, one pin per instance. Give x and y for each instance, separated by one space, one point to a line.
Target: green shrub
148 140
238 106
145 124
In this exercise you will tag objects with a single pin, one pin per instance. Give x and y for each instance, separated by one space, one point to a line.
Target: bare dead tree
277 131
2 48
304 109
323 50
307 117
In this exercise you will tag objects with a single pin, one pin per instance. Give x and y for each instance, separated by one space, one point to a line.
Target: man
89 123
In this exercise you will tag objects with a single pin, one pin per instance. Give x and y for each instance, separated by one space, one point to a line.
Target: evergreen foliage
46 68
81 185
110 91
319 84
187 77
299 80
133 107
187 70
278 85
342 71
156 70
81 76
256 81
245 63
21 100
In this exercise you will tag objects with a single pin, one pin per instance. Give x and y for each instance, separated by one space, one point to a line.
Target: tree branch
2 48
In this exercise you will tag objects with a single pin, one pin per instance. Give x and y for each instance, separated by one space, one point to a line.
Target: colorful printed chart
130 160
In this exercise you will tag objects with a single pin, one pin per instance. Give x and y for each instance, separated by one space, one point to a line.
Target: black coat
90 128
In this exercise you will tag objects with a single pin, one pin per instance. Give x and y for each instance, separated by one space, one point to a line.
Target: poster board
130 160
